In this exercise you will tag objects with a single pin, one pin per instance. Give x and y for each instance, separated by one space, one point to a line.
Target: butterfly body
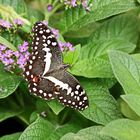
47 75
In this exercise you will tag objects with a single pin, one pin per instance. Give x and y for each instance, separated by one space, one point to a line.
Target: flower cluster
74 3
10 58
65 46
5 24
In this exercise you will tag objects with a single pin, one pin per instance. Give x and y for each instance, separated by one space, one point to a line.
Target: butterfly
46 74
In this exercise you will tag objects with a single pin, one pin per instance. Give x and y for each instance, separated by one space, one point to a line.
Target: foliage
106 61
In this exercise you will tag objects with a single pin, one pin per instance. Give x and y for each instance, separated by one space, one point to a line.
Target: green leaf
138 1
92 68
9 108
42 129
55 106
136 56
70 17
91 65
107 82
126 70
118 28
34 15
133 101
83 32
8 84
127 111
71 57
14 136
123 129
102 106
100 47
90 133
43 105
8 13
7 43
76 18
18 5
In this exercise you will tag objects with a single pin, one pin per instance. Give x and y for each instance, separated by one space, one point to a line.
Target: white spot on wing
44 36
54 43
48 42
64 100
27 73
47 60
41 32
61 97
76 92
31 62
57 82
40 91
85 98
33 57
39 24
78 86
50 95
45 45
47 31
63 86
34 89
45 94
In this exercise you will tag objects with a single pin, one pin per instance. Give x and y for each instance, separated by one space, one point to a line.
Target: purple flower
2 47
24 47
73 3
27 54
1 56
84 3
8 53
21 61
55 32
18 22
45 22
49 7
10 58
61 46
5 24
69 46
7 61
17 54
11 61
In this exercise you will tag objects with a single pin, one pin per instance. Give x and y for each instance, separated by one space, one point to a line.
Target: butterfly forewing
46 45
46 74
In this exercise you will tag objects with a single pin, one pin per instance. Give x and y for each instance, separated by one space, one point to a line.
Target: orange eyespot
36 79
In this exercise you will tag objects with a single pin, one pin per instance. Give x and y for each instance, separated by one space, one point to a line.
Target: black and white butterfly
46 73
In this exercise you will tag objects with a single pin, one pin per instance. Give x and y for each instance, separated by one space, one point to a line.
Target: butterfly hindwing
43 88
70 91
